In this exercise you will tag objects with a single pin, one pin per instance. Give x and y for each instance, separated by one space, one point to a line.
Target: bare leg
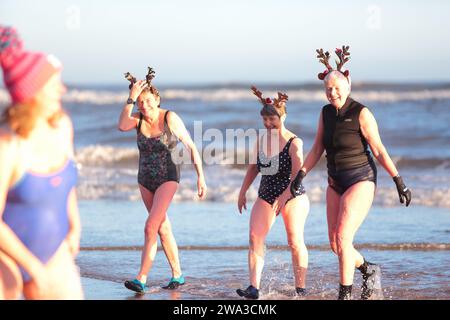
161 201
63 276
354 206
170 247
261 220
294 215
168 242
333 204
333 207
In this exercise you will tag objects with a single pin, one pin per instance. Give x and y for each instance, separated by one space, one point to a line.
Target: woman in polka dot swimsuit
279 156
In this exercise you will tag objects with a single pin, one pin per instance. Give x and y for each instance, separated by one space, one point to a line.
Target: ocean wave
101 155
108 172
421 246
224 185
107 155
108 97
386 197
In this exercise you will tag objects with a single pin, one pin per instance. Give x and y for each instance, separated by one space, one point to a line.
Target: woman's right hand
242 202
39 281
137 88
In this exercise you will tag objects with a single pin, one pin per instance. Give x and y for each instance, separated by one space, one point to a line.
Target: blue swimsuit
37 211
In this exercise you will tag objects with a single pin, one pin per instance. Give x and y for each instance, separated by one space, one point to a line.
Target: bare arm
73 237
317 149
296 153
74 234
127 120
9 242
252 172
369 129
250 176
296 187
178 128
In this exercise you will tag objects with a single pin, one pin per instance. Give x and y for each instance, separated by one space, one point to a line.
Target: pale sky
208 41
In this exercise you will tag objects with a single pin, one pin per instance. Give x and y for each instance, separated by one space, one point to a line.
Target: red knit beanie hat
24 72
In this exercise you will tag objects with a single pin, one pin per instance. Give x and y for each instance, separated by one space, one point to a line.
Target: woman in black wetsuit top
346 128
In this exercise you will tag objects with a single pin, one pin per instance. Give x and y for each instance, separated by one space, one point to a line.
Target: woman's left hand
280 202
201 187
73 241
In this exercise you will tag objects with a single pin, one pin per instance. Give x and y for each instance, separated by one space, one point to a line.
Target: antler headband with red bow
269 104
148 78
343 56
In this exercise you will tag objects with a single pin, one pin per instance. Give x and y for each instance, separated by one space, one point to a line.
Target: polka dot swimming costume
276 173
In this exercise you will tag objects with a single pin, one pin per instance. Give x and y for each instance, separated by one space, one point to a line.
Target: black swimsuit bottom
344 179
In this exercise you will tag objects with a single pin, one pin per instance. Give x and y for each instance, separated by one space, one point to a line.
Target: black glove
403 192
297 188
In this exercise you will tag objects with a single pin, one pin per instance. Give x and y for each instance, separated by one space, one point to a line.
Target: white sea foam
106 155
110 173
227 190
105 97
99 155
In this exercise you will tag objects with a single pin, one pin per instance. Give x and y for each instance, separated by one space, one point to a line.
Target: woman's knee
150 230
154 222
256 241
295 243
344 242
333 246
165 231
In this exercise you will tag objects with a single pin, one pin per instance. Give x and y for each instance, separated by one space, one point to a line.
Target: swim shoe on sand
250 293
301 292
174 283
135 285
371 281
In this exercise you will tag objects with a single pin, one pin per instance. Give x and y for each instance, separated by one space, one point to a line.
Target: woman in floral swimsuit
158 131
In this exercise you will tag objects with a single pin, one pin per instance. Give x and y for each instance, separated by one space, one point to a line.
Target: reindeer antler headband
269 105
130 78
148 78
343 56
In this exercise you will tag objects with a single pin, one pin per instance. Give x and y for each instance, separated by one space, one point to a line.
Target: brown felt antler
343 56
150 75
258 93
323 58
130 78
282 98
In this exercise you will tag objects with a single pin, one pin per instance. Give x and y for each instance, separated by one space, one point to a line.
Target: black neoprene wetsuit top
346 148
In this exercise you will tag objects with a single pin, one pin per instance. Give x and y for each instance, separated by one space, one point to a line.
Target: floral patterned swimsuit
155 157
